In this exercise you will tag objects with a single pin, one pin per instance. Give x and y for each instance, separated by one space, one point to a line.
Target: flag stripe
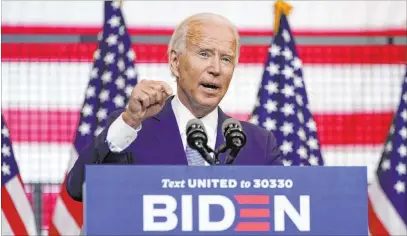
385 210
375 225
11 212
16 190
58 126
89 30
156 53
63 223
5 225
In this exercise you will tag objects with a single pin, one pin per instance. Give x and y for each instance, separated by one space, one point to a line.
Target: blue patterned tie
193 157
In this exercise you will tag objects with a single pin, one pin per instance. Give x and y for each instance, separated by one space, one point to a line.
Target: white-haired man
203 53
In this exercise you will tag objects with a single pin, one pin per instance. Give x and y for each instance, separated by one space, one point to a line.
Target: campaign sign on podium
225 200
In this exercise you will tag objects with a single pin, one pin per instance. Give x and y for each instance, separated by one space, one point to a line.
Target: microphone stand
204 150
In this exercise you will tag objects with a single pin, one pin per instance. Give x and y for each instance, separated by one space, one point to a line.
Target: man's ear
174 63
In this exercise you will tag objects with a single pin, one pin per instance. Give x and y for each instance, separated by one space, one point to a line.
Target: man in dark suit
203 53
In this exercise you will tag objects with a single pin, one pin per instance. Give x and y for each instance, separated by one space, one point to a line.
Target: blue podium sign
225 200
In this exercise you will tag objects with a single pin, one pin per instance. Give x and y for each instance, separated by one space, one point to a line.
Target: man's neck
197 110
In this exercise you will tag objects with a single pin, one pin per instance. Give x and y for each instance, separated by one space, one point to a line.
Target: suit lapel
168 135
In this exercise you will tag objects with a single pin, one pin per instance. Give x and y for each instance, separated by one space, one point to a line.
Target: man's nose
215 67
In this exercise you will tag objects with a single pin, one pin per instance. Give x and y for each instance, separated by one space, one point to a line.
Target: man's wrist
134 123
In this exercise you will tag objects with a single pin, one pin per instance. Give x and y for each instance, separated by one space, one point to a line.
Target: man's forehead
208 35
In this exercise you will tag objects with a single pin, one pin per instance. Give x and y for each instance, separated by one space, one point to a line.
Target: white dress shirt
120 135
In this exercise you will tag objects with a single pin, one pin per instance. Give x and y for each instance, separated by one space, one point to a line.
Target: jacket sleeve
273 151
96 152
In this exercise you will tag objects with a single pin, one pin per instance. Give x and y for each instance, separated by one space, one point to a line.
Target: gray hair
179 37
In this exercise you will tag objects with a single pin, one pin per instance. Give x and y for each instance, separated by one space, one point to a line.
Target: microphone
235 138
197 139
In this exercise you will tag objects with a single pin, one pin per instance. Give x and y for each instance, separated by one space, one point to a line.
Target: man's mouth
210 86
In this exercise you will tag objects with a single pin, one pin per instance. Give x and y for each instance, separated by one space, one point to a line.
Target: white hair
179 37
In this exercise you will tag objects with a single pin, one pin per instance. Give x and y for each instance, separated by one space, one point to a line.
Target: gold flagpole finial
121 3
280 7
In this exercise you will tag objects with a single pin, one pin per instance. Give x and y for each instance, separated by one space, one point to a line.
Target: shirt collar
183 115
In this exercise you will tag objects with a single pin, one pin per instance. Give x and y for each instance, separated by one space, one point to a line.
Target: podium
225 200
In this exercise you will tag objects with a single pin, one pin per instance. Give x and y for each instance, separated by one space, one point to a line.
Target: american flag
17 216
282 103
387 193
112 78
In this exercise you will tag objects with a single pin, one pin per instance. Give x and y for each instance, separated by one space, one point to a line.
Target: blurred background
353 52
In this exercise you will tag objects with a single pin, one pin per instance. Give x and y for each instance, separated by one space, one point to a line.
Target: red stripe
252 199
254 213
10 212
333 129
376 227
156 53
92 30
253 226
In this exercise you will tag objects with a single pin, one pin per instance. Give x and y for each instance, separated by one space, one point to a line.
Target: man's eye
227 59
204 54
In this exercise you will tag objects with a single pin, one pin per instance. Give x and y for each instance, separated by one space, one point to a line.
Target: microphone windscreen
230 121
195 123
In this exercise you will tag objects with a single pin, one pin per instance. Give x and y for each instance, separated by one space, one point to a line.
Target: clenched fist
146 100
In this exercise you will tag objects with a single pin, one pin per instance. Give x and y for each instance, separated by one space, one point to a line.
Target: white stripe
5 226
63 220
385 211
49 162
331 88
22 205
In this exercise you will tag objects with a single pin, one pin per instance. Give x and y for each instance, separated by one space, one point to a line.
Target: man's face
206 67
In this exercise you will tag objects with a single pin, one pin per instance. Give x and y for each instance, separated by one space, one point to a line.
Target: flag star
400 186
388 147
298 81
286 36
130 73
84 128
287 128
311 125
121 65
402 150
274 50
405 97
287 162
101 114
288 109
107 77
403 133
90 91
96 55
385 165
270 124
104 95
286 147
5 169
114 21
128 90
288 91
100 36
121 47
313 160
5 132
300 117
98 131
112 39
313 143
288 54
401 168
404 115
271 87
273 69
120 83
270 106
302 152
131 55
254 119
296 63
257 102
118 101
94 73
109 58
121 31
288 72
298 99
87 110
301 134
5 150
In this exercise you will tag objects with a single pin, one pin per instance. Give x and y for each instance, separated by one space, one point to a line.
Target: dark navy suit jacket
159 143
